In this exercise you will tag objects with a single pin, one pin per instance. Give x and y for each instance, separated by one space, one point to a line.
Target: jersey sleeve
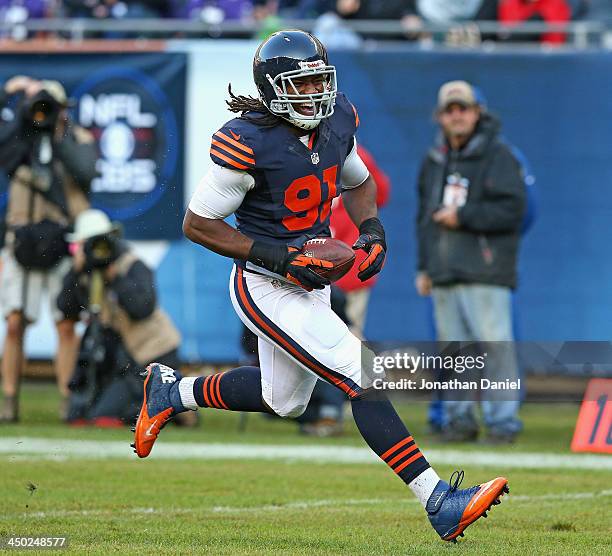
232 147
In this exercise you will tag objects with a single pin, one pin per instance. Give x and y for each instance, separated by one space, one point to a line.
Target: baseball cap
91 223
460 92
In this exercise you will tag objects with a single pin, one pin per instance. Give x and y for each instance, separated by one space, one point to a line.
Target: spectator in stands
451 12
333 31
17 12
304 9
20 10
471 206
342 227
211 11
514 12
332 25
114 9
372 9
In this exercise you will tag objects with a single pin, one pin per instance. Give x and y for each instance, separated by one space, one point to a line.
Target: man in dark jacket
471 205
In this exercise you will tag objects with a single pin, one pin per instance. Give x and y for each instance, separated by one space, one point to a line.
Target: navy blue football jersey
294 183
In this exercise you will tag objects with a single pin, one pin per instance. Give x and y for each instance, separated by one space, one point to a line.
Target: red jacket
551 11
342 226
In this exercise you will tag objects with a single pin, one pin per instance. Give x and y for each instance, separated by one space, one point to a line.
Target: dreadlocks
245 104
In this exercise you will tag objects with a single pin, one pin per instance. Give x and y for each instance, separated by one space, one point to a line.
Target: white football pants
300 339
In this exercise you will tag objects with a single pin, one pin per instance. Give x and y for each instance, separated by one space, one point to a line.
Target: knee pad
291 411
345 358
292 406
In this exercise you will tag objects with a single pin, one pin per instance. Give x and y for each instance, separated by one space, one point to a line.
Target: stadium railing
580 34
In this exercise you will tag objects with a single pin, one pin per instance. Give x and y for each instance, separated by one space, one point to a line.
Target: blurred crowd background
342 21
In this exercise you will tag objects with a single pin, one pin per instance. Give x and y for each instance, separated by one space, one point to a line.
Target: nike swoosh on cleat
480 494
235 136
148 431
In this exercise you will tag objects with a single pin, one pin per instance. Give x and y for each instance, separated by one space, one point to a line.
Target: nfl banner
134 105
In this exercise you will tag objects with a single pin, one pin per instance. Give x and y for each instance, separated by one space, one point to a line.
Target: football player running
277 167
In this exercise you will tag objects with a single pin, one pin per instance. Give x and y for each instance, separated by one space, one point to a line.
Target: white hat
91 223
460 92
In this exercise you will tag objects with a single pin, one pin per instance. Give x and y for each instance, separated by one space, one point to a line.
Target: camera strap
42 169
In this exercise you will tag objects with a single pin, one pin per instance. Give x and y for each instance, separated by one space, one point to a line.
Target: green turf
256 507
550 426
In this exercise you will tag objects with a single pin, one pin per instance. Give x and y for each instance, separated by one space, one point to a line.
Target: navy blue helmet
289 55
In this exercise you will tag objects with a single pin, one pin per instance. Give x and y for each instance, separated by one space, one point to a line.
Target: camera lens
101 249
41 111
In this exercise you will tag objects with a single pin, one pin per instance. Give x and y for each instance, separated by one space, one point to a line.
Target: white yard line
17 449
290 506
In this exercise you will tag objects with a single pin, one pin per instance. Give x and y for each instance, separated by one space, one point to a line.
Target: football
333 250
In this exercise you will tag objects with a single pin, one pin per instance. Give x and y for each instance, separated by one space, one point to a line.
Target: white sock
424 485
186 392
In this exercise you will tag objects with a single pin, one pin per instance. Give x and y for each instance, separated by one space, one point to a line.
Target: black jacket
484 248
19 143
135 293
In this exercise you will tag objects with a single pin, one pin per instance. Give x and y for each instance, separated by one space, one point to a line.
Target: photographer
50 163
126 328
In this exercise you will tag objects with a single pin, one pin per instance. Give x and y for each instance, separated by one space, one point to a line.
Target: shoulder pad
232 145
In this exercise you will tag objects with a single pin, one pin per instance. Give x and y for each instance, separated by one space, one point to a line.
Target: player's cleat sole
156 409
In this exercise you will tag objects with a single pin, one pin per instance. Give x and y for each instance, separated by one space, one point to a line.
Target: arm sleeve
354 171
502 206
220 192
136 291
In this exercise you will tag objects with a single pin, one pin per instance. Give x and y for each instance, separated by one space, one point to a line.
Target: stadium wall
555 108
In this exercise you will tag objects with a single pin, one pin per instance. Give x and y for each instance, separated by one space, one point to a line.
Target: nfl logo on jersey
315 158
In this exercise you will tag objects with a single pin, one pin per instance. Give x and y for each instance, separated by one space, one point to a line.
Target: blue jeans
481 312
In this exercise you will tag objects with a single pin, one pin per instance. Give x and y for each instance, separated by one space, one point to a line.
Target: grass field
290 505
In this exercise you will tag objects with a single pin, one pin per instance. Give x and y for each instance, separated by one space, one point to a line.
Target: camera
41 111
100 251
